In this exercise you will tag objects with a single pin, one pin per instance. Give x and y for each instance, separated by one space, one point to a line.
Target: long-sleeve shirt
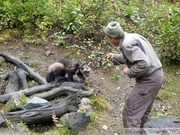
138 55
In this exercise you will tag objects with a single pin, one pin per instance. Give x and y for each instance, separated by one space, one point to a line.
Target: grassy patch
169 93
99 103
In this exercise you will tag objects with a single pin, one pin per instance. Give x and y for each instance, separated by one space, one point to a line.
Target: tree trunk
20 64
44 114
64 90
28 92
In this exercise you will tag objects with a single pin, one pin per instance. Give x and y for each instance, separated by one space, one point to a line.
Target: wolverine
63 67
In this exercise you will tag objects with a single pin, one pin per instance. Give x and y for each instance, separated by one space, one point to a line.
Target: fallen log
46 87
20 64
16 79
22 78
44 114
28 92
64 90
13 83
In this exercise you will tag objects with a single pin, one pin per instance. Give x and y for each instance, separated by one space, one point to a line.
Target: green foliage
8 122
163 95
165 22
116 76
22 124
32 83
85 19
160 115
23 14
22 57
159 23
99 103
62 130
94 117
82 17
33 63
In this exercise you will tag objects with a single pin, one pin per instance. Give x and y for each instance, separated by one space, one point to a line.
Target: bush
84 18
160 23
24 14
164 23
168 33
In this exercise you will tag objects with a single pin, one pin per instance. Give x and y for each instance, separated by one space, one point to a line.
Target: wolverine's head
85 69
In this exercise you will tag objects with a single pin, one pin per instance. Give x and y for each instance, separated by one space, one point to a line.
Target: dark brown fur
65 66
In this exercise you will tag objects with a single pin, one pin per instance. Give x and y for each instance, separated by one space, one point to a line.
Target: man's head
114 30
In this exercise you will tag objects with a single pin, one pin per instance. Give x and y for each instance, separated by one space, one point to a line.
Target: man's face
114 41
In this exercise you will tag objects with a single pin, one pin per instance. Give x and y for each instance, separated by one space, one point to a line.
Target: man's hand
125 70
109 56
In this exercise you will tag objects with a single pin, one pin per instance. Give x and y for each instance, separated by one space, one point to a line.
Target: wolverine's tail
50 77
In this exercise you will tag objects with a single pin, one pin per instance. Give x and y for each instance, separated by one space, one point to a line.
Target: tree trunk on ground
44 114
28 92
61 91
20 64
17 80
64 89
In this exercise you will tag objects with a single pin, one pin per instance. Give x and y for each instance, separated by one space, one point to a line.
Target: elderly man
142 64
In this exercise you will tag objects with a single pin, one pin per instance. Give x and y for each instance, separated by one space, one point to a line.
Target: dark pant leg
158 74
140 99
145 117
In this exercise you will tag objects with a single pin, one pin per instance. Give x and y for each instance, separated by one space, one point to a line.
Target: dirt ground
114 91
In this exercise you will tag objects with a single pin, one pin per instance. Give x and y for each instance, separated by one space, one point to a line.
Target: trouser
140 100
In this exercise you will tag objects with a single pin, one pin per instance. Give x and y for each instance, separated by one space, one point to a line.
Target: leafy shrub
83 18
163 23
158 22
23 14
168 33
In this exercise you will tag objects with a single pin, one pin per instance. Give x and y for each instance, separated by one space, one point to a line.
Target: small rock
35 102
105 127
85 105
48 52
76 120
161 124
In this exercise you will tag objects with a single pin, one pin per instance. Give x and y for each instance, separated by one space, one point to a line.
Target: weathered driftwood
65 87
5 76
22 78
13 83
3 85
64 90
44 114
29 91
20 64
16 80
76 85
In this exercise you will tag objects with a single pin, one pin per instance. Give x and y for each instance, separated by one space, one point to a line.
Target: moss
32 83
99 103
163 95
15 103
174 85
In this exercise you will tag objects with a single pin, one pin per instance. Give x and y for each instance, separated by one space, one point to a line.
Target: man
142 64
